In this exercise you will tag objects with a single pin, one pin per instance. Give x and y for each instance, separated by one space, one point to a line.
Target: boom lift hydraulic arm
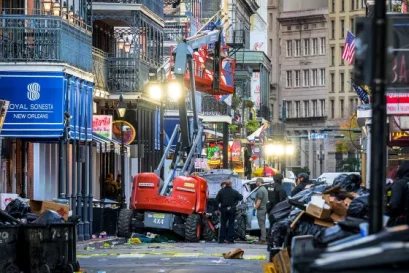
183 56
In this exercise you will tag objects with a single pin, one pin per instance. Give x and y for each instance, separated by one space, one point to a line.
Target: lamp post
121 110
56 8
47 5
231 154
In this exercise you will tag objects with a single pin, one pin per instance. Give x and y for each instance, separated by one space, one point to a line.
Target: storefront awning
106 148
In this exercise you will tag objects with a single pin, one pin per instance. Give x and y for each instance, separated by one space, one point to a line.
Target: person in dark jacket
303 180
227 198
398 205
276 192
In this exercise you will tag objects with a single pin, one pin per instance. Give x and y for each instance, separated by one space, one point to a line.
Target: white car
330 177
249 196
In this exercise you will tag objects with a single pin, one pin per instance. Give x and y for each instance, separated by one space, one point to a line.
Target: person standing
227 198
398 205
303 180
261 208
276 192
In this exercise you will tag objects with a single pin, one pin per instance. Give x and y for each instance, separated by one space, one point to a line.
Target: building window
297 109
341 107
297 78
323 46
272 111
322 76
289 109
342 81
357 4
289 78
314 25
332 56
270 21
353 4
297 48
351 76
271 47
306 108
332 109
332 29
315 46
314 108
352 22
342 53
289 48
332 5
306 26
289 28
342 5
342 28
306 47
351 106
332 82
314 77
306 78
322 104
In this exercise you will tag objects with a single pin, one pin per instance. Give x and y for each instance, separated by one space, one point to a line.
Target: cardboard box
281 262
323 223
38 207
339 207
318 212
336 218
268 267
6 198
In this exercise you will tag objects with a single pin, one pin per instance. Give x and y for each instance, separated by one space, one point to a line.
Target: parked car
249 194
330 177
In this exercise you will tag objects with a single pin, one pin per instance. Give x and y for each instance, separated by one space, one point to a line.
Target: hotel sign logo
33 91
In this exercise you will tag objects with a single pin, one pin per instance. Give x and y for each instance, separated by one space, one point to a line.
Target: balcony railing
156 6
46 38
100 69
212 107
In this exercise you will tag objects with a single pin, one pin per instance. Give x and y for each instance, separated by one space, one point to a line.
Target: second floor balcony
45 38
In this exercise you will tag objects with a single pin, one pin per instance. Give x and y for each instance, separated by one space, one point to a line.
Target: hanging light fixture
121 107
127 46
56 8
121 43
64 11
47 6
71 15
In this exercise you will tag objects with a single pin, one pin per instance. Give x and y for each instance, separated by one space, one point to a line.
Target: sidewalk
99 243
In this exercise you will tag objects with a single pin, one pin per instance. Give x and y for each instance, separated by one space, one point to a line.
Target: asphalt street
172 257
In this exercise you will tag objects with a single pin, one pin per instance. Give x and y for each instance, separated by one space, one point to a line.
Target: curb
83 245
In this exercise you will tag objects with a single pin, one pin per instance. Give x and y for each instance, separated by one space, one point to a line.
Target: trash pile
43 234
329 213
138 238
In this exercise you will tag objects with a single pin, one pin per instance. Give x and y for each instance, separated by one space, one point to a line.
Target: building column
303 161
310 154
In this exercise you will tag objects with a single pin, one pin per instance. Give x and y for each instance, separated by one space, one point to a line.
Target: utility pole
378 128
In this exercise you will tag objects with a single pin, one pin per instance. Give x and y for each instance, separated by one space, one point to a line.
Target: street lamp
121 110
175 89
231 153
121 43
127 46
71 15
155 91
47 6
56 8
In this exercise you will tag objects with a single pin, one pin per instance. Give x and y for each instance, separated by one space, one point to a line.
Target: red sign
397 103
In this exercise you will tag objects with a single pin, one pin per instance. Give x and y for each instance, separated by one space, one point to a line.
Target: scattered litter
102 272
254 257
165 259
135 240
154 247
106 245
202 242
90 248
161 270
234 254
133 255
220 261
103 235
193 255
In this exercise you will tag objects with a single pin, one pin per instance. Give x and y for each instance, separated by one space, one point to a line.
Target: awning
106 148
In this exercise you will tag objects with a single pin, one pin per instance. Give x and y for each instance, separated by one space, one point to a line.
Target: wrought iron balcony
156 6
100 69
46 38
212 107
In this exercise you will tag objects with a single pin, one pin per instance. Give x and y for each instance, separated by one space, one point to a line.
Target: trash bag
351 224
294 213
359 207
306 226
333 234
6 219
320 188
17 208
279 233
362 191
351 182
281 210
303 196
49 217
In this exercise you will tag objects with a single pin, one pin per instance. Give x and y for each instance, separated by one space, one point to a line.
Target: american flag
349 48
363 96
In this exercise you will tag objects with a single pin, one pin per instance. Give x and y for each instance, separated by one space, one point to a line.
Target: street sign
318 136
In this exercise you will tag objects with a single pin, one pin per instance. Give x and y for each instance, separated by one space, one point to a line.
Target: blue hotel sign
36 104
